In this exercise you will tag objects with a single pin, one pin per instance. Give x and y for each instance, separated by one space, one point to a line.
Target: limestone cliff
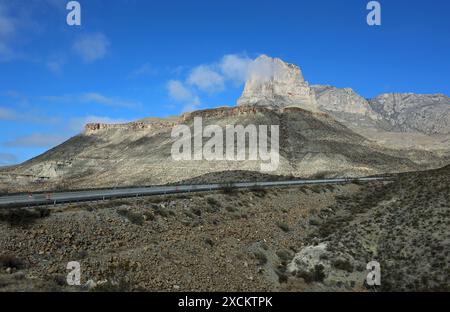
274 83
426 113
343 100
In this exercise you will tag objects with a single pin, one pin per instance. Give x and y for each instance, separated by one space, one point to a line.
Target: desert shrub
284 255
283 226
209 241
161 211
316 189
213 202
261 257
343 264
315 275
135 218
21 217
10 261
119 285
197 211
282 276
149 216
60 280
319 274
304 190
231 208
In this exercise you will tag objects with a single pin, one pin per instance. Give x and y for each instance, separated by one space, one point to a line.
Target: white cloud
235 67
54 66
36 140
144 70
8 28
25 116
7 114
6 53
93 97
214 77
206 79
7 159
263 68
92 47
56 63
241 68
98 98
180 93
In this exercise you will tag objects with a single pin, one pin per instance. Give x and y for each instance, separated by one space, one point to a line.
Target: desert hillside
324 131
311 144
297 239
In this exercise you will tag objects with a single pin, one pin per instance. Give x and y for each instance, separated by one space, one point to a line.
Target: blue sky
132 59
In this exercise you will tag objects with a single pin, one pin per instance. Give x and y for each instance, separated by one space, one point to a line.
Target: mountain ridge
284 85
324 131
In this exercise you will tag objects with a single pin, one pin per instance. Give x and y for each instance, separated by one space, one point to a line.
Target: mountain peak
275 83
266 68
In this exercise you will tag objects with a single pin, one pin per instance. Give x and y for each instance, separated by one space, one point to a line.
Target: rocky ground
309 238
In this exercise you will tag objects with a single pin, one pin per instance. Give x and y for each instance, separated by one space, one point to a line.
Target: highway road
34 199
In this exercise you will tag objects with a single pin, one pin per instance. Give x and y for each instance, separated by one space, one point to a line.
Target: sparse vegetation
315 275
213 202
283 226
261 257
11 261
343 264
133 217
23 217
401 225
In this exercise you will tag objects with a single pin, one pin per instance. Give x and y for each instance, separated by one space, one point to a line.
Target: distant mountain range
402 112
324 131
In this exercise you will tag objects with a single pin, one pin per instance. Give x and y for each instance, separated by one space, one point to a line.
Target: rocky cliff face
426 113
274 83
343 100
92 128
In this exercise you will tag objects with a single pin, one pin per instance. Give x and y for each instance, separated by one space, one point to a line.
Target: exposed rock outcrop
274 83
426 113
343 100
91 128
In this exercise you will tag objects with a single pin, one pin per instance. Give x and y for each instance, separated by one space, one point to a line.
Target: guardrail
80 196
